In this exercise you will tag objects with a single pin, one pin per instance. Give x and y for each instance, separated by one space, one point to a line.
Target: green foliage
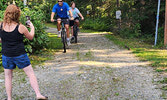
131 32
1 15
138 17
5 3
160 38
99 24
41 39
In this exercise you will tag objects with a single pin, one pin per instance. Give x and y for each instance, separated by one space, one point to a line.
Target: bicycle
75 32
63 36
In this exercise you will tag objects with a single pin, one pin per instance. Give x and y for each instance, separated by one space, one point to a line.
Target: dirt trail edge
93 69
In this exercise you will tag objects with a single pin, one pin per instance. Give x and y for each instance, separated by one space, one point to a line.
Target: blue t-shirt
61 10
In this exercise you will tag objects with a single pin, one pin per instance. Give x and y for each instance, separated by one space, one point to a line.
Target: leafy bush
130 32
40 39
99 24
160 37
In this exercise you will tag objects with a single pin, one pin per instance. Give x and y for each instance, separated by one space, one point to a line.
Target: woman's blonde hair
12 14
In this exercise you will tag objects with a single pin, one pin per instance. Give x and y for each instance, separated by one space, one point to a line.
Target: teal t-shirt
75 12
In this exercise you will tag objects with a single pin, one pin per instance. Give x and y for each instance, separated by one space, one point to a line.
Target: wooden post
117 3
165 32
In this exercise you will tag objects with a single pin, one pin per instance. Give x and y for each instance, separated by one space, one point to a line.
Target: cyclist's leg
71 25
72 31
67 30
77 21
59 27
58 24
66 24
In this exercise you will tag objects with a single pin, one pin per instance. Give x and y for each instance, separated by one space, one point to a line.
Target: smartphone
28 17
28 20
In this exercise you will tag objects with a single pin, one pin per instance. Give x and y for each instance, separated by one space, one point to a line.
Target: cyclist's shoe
72 39
68 42
59 34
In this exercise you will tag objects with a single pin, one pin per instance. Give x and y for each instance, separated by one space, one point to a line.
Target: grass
146 52
89 55
53 25
47 54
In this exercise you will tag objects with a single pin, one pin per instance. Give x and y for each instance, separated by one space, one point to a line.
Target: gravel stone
93 69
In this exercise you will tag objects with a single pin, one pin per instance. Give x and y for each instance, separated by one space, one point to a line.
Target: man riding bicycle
76 13
61 9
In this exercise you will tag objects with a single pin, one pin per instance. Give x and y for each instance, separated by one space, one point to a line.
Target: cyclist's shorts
72 21
64 20
21 61
77 18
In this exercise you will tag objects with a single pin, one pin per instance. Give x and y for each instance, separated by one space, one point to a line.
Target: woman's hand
29 24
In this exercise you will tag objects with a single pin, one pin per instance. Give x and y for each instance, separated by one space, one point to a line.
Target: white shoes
59 34
68 42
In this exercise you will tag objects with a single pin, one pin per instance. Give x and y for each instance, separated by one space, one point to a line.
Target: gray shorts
64 21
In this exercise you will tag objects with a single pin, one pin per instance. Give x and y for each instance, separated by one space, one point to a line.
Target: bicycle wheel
63 37
75 33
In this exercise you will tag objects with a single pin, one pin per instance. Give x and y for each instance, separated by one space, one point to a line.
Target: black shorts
72 21
64 20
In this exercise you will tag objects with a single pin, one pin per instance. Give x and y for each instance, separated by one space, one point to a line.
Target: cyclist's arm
52 16
71 15
81 16
53 13
78 12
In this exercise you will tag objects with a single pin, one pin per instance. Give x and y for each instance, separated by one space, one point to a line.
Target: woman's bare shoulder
22 28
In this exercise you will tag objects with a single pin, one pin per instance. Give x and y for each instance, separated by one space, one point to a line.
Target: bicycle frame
63 36
75 31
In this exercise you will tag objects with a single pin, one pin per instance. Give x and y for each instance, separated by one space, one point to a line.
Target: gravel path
93 69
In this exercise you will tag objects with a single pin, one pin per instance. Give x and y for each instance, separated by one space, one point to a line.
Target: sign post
118 15
156 32
25 3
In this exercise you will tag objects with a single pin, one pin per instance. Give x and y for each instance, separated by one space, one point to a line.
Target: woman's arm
24 30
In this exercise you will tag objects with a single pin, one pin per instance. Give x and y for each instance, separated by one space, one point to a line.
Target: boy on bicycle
61 9
75 13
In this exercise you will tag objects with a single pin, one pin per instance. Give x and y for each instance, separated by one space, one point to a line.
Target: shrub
130 32
99 24
40 39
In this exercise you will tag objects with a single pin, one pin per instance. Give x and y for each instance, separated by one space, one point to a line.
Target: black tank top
12 42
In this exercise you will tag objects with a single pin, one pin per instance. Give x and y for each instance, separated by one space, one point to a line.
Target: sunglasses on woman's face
60 1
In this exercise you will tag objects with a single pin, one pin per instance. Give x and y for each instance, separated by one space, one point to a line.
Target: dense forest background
138 17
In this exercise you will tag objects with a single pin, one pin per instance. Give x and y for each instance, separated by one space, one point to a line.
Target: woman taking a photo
13 51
